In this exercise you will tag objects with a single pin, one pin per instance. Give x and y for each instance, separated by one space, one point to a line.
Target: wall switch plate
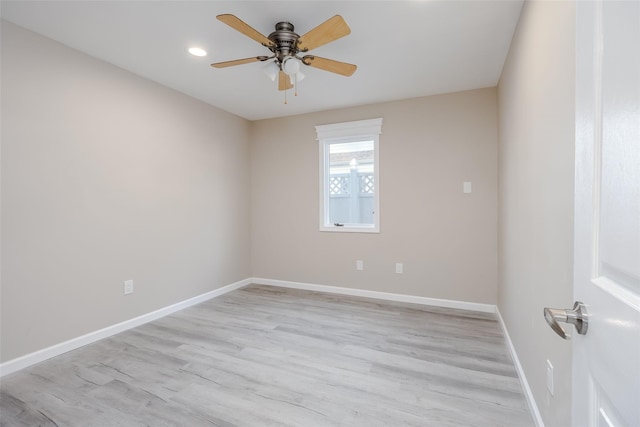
550 377
466 187
128 287
399 268
359 265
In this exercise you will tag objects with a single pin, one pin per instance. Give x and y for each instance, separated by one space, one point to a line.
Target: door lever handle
577 317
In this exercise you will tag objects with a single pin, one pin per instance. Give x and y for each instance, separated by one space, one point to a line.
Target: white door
606 361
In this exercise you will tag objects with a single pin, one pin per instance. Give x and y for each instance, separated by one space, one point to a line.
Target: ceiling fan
286 47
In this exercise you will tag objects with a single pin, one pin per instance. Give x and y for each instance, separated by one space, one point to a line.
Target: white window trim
348 132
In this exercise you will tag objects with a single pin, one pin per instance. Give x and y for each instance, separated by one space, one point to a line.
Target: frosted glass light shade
296 77
271 70
291 65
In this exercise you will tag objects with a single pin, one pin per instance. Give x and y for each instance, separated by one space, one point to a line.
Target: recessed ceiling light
196 51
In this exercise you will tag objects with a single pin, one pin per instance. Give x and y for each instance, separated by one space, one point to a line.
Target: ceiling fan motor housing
284 40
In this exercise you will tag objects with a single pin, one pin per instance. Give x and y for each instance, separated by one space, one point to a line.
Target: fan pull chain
295 84
285 95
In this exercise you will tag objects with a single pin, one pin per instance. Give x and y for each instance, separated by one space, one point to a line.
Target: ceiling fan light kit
286 46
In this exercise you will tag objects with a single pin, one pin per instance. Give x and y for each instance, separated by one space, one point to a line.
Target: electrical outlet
550 377
128 287
399 268
359 265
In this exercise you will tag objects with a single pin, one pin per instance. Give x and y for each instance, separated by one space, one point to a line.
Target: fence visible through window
339 185
366 183
351 197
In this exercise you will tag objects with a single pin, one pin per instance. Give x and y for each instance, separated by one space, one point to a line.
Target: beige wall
105 177
536 164
428 147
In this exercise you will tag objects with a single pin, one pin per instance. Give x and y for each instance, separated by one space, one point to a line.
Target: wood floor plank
268 356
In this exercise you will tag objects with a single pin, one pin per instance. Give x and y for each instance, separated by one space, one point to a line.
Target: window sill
350 229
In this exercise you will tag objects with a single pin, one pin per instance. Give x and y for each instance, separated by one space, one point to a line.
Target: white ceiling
403 49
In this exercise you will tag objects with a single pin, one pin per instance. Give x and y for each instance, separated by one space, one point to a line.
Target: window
349 184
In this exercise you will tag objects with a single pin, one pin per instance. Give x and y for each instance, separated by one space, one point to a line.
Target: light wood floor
266 356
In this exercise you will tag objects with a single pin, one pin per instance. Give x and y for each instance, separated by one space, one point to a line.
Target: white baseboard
58 349
487 308
537 418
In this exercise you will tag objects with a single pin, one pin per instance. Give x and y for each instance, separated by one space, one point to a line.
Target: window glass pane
351 182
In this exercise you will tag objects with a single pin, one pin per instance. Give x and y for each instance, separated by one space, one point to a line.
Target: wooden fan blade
235 62
239 25
284 82
330 65
330 30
